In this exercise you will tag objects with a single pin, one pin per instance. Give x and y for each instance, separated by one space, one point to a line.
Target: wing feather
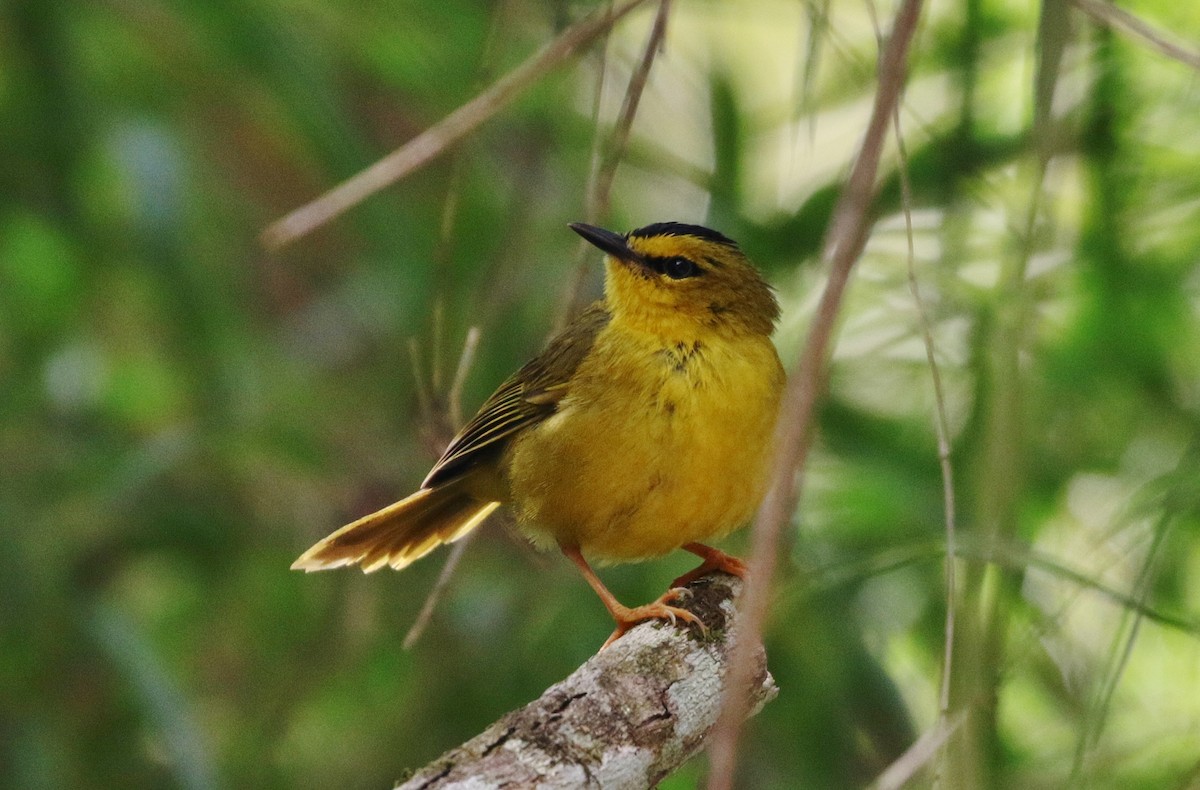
527 397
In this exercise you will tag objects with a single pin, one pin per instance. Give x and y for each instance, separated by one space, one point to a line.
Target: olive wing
527 397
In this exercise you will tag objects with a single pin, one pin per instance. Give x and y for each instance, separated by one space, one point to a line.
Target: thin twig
844 241
608 158
817 13
454 415
1011 556
600 194
575 286
443 260
438 324
436 139
904 767
465 360
435 594
1127 23
424 398
597 152
443 257
941 428
1089 738
941 424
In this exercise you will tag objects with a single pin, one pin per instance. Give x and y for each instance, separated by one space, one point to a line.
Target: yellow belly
652 448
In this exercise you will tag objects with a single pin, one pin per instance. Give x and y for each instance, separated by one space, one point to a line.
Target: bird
644 427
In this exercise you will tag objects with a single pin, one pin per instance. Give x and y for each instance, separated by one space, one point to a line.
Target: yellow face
683 279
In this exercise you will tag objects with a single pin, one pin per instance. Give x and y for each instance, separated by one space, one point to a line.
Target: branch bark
627 718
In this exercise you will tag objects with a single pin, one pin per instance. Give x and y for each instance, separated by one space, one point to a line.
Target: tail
400 533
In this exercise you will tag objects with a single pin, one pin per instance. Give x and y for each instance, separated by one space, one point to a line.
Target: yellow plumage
644 427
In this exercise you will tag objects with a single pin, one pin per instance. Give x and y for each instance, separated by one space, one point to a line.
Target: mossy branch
627 718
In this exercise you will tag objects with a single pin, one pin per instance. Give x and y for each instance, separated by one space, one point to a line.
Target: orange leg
714 560
625 617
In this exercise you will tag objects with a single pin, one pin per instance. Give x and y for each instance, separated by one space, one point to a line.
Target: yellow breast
656 445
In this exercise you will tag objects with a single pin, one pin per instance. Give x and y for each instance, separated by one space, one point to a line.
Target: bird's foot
660 609
714 560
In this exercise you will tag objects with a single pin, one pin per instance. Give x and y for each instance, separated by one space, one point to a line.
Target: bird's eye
679 268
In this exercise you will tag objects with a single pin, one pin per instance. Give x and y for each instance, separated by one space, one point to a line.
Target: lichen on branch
627 718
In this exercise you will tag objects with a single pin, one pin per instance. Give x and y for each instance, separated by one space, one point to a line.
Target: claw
677 593
658 610
625 617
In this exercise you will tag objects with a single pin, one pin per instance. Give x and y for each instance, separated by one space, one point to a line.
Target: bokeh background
183 412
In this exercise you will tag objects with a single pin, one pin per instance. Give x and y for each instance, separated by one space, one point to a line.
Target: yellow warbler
644 427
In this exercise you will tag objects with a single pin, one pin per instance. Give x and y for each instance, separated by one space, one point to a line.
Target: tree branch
627 718
432 142
1122 20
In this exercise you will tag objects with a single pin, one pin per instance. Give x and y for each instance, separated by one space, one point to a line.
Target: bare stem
601 192
610 153
453 418
844 241
424 397
1116 17
436 139
904 767
941 426
447 573
465 360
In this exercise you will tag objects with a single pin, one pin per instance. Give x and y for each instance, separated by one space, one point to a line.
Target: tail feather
401 533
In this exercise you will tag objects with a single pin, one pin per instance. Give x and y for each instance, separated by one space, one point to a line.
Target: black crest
681 229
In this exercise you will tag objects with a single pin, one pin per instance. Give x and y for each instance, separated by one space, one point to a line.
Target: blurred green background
182 413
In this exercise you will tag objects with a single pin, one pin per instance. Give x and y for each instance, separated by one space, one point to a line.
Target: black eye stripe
674 266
